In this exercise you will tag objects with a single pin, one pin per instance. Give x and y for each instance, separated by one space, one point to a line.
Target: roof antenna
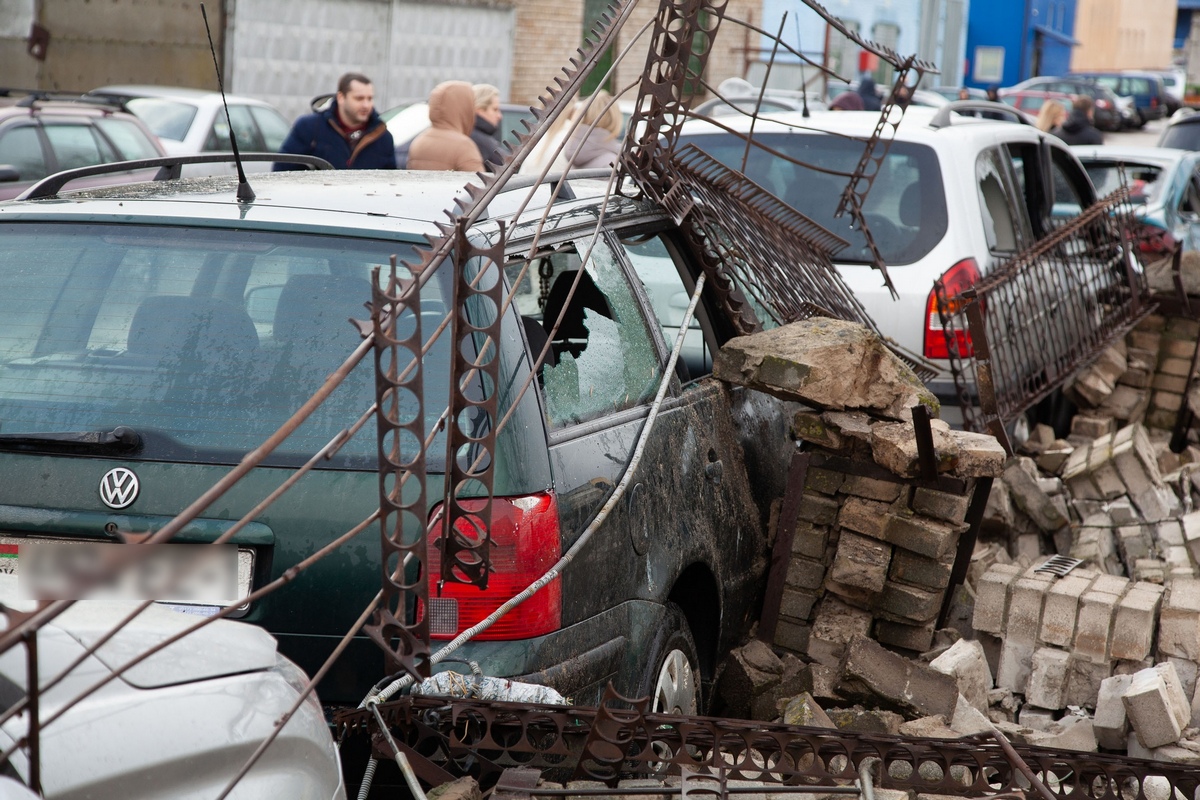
803 82
244 193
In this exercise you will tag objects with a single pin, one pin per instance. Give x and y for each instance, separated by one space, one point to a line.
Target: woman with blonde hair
596 142
1051 115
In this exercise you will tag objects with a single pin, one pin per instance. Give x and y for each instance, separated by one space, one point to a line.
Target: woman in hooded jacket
596 142
447 144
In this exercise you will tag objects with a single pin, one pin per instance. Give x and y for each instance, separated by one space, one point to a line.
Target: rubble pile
1103 656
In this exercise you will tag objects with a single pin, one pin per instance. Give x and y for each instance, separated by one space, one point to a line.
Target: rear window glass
129 139
1143 179
167 118
1184 137
204 341
905 209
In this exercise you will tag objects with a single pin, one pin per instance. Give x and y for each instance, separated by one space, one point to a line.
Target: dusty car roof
1147 155
915 126
381 201
197 96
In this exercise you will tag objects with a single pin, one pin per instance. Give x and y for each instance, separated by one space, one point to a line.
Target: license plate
196 578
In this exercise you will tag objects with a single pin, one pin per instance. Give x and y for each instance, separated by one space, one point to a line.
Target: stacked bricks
1062 637
873 549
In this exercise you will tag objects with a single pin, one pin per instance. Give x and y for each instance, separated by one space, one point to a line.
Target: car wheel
672 677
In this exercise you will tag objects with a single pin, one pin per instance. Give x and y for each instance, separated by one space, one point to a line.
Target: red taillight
526 541
1103 104
961 276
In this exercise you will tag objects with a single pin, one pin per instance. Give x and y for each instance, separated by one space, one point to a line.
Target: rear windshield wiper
119 438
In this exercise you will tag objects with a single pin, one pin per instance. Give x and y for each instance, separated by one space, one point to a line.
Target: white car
180 724
947 202
189 121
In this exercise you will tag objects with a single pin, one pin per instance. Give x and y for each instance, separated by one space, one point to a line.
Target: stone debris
1106 656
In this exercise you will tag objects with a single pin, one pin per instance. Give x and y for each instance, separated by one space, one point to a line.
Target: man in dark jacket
486 134
1078 129
348 134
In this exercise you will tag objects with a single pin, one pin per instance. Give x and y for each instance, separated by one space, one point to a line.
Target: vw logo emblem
118 488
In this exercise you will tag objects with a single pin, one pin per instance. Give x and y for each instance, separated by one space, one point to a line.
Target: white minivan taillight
526 541
958 278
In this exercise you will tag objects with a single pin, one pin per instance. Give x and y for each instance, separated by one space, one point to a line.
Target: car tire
672 677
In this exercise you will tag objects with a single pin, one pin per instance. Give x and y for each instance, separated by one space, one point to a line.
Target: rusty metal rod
1015 759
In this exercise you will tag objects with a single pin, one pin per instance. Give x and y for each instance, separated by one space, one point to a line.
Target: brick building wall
549 32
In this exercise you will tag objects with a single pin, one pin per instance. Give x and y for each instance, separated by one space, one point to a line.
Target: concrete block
1030 499
1084 679
894 447
991 598
940 505
1061 609
1149 570
797 604
979 455
861 561
872 488
873 674
804 710
1055 456
998 513
1134 624
858 720
837 622
810 540
922 535
1149 710
1016 661
930 573
917 638
968 720
1179 621
793 635
825 481
805 573
909 604
1181 707
810 427
1025 606
818 510
867 517
1110 721
1047 687
1038 719
1094 625
1187 671
1088 426
966 662
1170 753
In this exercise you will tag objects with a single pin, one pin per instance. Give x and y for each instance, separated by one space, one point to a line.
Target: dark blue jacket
321 135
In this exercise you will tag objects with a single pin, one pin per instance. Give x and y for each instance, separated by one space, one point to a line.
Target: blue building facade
934 30
1011 40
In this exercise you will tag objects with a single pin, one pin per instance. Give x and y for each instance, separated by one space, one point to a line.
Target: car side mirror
9 173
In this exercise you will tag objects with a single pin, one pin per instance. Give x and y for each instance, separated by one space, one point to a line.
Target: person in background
1051 115
993 94
847 101
1078 128
348 134
446 144
486 134
866 91
596 142
963 94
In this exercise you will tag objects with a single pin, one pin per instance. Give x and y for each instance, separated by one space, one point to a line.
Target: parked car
1106 108
405 122
1031 100
769 104
1182 130
1175 84
1164 186
40 136
1145 88
180 724
920 97
952 92
946 202
193 121
200 324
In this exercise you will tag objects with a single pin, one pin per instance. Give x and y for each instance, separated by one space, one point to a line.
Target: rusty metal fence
620 740
1018 334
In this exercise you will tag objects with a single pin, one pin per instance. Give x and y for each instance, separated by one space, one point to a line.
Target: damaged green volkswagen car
154 334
